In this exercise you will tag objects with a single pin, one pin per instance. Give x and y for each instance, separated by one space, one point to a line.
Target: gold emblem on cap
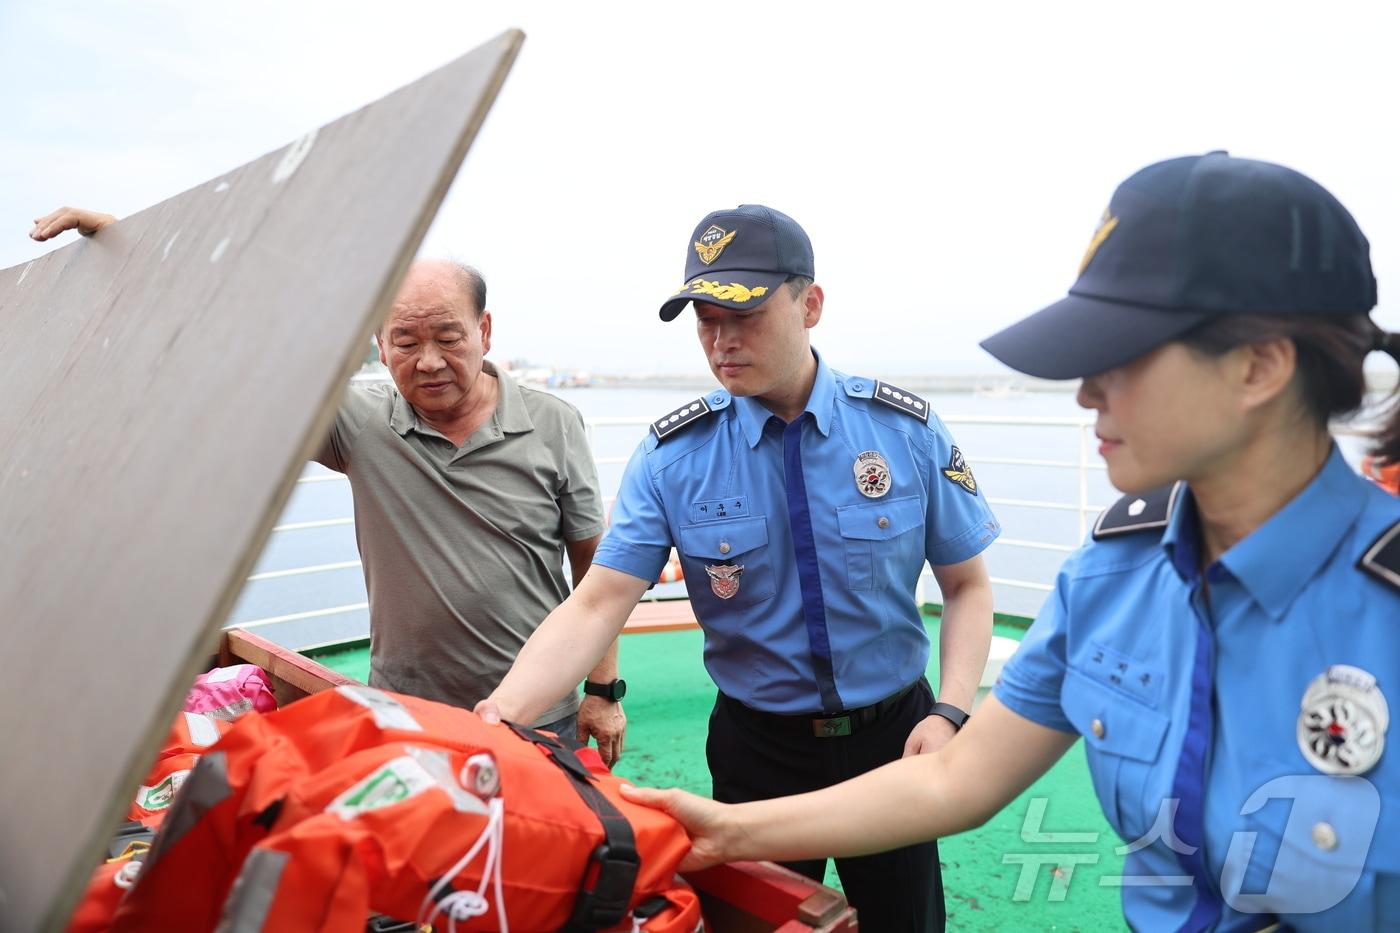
1106 226
731 292
712 242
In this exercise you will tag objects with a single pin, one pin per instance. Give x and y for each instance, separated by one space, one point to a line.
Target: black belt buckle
831 728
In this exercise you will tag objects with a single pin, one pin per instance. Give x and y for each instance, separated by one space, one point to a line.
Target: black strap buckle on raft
612 868
130 838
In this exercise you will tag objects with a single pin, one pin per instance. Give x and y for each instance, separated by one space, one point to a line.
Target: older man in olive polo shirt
468 491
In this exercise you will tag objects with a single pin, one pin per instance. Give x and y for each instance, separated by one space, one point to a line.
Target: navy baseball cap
1191 239
736 258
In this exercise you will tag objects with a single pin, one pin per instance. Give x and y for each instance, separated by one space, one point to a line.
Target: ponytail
1387 437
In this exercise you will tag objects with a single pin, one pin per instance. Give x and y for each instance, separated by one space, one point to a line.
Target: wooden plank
294 675
164 383
762 896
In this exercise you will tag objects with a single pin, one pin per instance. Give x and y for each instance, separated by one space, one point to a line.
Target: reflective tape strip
388 712
205 788
250 899
231 711
202 729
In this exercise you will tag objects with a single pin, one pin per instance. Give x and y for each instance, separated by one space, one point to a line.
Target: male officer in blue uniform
803 503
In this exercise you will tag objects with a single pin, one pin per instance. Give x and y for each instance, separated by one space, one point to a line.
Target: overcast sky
949 164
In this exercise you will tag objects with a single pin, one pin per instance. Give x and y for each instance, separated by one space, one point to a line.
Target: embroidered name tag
715 509
1127 674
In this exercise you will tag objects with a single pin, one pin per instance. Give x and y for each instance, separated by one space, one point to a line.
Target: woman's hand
706 822
69 218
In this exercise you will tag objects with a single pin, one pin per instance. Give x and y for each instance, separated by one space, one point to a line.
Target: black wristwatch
613 690
951 713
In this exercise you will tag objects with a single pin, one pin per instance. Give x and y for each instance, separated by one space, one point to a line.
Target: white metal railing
1084 464
1083 508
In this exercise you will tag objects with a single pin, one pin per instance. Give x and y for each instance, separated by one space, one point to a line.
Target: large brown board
161 385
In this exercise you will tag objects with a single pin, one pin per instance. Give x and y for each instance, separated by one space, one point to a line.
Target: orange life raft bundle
355 801
189 737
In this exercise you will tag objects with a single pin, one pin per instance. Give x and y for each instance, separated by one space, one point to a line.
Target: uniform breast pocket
1124 738
883 541
727 564
1316 845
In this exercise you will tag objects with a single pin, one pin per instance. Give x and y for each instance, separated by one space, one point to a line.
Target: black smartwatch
951 713
613 690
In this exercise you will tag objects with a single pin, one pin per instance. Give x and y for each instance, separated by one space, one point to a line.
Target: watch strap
612 690
951 713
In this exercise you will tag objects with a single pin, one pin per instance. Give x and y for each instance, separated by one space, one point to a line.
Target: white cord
127 874
464 905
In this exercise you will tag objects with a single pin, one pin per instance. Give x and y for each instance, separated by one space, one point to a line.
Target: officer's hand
931 734
67 218
704 820
605 721
489 712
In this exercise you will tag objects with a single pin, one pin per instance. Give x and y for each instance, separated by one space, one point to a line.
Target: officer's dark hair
1330 352
796 283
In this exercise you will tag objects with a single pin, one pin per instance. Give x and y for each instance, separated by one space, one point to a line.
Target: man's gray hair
471 281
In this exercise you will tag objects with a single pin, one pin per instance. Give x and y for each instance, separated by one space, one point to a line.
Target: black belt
825 726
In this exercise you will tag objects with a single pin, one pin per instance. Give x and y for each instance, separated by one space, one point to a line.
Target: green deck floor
669 696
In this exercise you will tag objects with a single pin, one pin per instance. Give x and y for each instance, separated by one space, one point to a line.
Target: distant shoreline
992 385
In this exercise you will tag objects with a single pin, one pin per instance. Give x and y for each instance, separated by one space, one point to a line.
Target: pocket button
1324 837
724 547
1097 728
883 522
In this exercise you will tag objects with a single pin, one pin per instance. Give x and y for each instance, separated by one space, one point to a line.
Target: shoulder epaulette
674 421
1382 558
905 401
1133 513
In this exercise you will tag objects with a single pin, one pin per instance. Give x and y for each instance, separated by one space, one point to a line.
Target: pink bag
228 692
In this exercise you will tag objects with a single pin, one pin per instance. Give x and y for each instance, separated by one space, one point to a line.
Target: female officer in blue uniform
1225 642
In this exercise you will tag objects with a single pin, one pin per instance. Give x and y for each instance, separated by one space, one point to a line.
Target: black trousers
754 756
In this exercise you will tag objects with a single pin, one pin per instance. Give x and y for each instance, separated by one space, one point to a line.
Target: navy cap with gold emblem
737 257
1187 240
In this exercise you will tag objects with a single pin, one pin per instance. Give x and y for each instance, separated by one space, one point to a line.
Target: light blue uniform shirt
1211 721
824 618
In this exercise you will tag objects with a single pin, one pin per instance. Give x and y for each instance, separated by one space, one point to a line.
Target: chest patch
1343 721
724 579
872 474
714 509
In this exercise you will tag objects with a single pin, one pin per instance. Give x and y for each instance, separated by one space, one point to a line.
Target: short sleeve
959 524
580 501
356 407
1031 681
639 541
